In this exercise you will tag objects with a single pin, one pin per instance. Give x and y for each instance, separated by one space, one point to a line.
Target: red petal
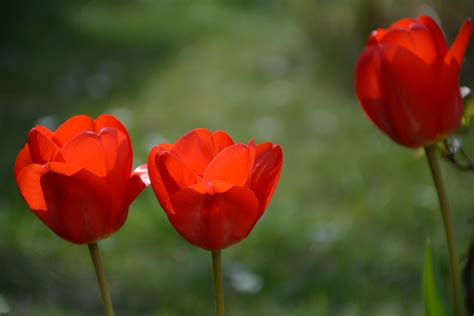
107 155
46 132
86 150
195 149
214 222
221 140
403 24
230 165
72 127
436 33
212 187
165 147
117 151
42 148
157 182
22 160
418 40
118 157
418 97
168 175
138 182
174 174
266 173
29 185
107 120
457 50
69 200
369 90
142 172
398 92
376 36
79 207
252 157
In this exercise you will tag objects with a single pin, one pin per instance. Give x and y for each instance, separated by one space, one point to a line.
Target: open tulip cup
407 82
78 181
214 191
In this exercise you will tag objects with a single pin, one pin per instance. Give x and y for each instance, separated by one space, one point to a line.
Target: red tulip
212 190
78 180
407 81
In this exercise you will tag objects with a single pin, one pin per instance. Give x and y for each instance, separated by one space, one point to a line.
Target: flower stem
218 290
101 279
431 154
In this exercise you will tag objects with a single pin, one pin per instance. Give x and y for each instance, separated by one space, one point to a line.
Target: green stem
431 154
218 289
101 279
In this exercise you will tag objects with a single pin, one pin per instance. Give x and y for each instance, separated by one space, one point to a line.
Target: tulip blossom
213 190
407 81
78 179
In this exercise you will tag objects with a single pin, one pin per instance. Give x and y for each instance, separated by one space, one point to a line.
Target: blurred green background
345 232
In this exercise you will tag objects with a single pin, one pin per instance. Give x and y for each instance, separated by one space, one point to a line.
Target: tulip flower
407 81
78 180
213 190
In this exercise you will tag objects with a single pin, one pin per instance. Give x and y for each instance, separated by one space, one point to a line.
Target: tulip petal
230 165
214 222
417 97
138 182
165 147
195 149
418 40
46 132
168 175
436 33
107 120
42 148
71 201
72 127
22 160
458 48
86 150
389 81
142 172
212 187
156 181
369 90
79 207
378 35
175 174
252 156
28 183
221 140
266 173
403 24
118 158
117 152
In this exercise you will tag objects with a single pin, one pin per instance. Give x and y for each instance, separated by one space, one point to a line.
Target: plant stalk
101 279
433 161
218 289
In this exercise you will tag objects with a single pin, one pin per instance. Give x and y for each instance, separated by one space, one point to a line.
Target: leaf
433 305
468 114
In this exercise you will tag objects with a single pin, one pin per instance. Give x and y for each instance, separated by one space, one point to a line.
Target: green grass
344 234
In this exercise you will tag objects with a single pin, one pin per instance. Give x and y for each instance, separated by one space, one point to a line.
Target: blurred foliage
344 232
468 279
431 296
